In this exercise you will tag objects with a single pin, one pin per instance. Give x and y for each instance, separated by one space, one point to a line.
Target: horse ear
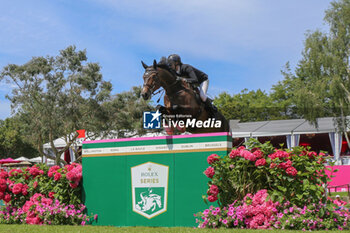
144 65
155 64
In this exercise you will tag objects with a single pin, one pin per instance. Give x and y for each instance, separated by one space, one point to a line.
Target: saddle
195 88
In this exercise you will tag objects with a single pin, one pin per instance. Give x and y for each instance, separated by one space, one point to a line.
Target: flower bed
263 187
43 195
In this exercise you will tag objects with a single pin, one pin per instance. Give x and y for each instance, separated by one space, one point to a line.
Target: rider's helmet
174 59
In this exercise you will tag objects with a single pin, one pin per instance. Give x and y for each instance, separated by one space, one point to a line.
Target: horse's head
150 80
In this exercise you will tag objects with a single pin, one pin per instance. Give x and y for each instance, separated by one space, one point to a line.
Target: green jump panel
156 181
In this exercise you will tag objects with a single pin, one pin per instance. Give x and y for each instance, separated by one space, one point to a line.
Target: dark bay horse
181 102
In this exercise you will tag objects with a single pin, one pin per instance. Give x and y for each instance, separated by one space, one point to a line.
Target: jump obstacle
154 181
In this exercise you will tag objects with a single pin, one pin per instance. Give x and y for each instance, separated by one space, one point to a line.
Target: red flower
273 165
17 188
35 184
289 163
2 195
7 198
34 171
291 171
279 154
212 158
74 185
214 189
57 176
312 155
248 155
258 154
3 175
25 189
51 194
212 198
260 162
3 185
209 172
70 176
234 153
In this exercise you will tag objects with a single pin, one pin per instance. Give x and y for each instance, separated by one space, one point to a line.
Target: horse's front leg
154 206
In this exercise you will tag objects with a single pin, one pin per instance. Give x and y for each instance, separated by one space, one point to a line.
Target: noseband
154 75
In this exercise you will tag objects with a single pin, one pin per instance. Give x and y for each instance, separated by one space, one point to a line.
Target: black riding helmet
174 58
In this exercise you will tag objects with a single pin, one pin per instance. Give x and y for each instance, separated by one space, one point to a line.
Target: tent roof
282 127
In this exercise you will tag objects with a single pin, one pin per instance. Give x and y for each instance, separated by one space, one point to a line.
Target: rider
193 76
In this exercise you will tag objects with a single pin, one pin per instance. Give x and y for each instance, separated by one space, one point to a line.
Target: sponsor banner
158 148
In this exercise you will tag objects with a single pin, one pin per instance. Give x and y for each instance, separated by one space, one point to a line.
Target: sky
239 44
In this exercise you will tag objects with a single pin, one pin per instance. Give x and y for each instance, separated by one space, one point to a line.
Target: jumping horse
181 101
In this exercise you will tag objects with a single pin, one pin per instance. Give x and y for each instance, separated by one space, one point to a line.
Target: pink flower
288 163
213 158
248 155
214 189
7 198
25 189
35 184
2 195
212 198
3 175
312 155
291 171
3 185
209 172
234 153
34 171
258 154
57 176
273 165
260 162
279 154
17 188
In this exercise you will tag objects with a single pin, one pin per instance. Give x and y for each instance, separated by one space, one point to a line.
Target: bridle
155 79
153 74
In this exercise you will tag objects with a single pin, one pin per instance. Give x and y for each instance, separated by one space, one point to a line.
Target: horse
181 102
149 202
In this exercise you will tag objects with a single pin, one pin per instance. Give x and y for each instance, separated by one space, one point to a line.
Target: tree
12 143
55 96
321 82
125 111
250 106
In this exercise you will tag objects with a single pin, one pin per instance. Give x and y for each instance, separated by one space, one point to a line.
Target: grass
102 229
342 194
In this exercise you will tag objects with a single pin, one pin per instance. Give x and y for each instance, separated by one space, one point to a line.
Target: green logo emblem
149 189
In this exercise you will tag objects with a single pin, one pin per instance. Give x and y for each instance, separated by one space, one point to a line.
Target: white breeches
203 90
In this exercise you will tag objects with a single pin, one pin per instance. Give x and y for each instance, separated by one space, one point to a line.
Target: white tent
292 129
22 159
39 160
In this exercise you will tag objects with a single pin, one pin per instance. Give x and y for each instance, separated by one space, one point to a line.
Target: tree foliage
55 96
12 143
125 111
321 81
255 105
